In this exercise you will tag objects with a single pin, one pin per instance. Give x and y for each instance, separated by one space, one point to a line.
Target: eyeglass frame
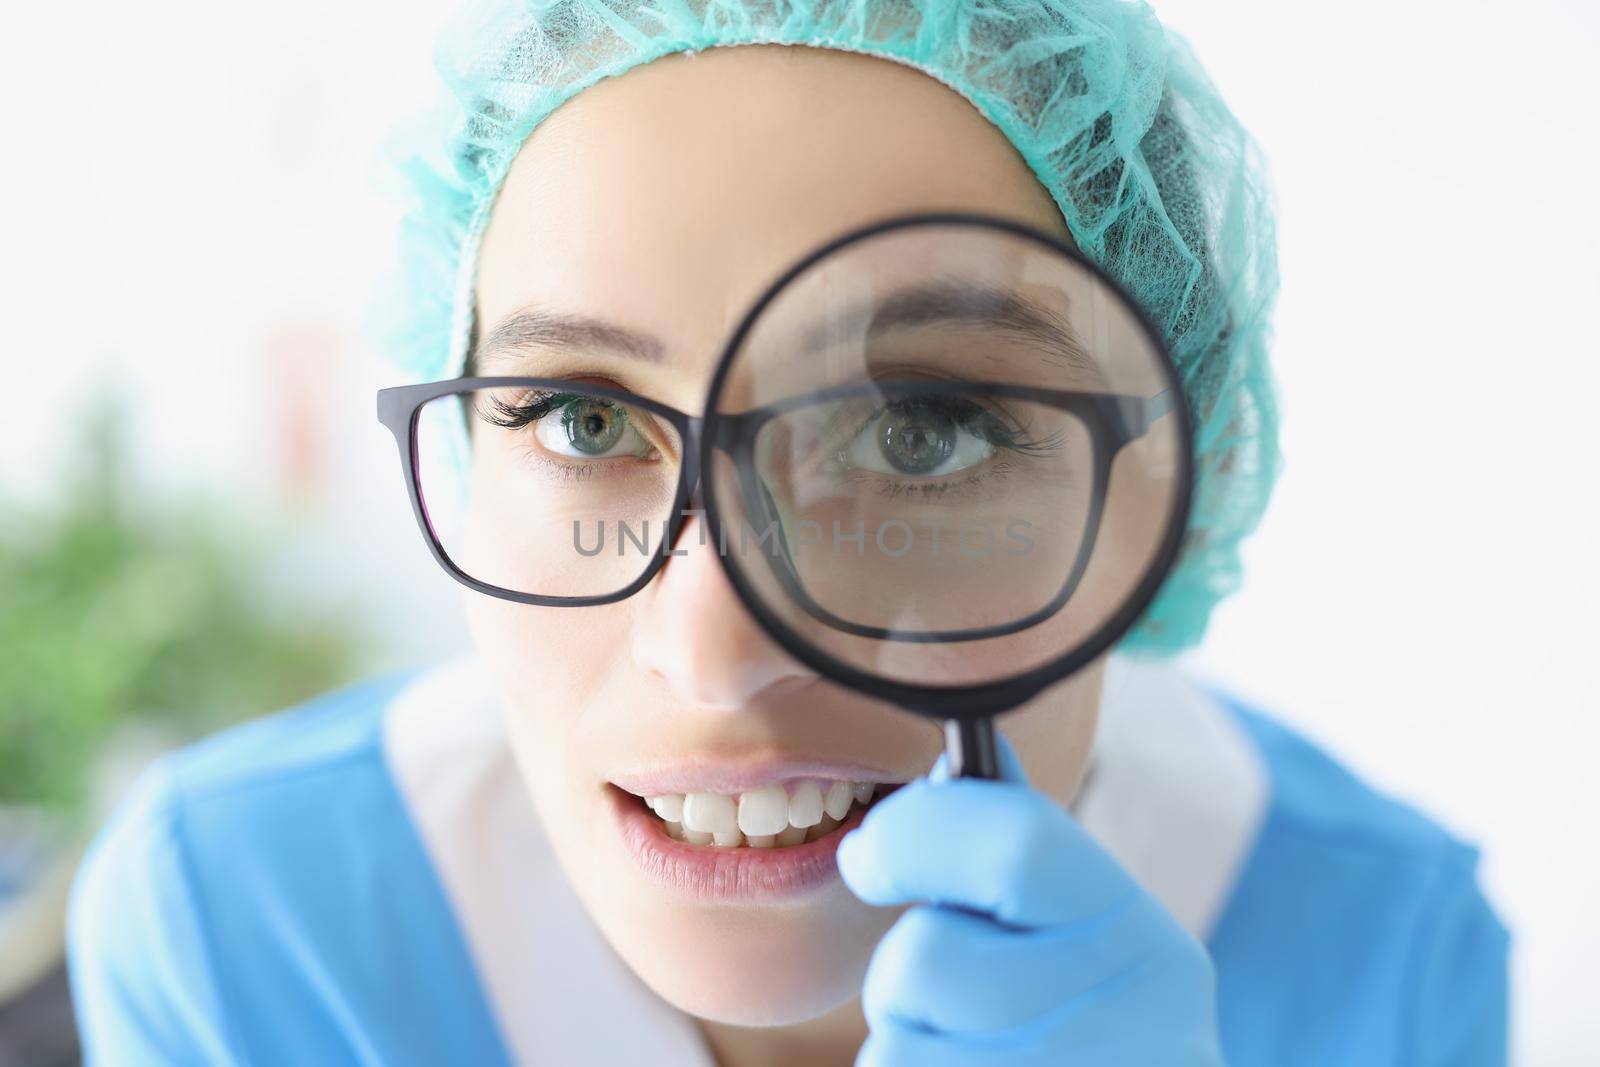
1112 421
962 706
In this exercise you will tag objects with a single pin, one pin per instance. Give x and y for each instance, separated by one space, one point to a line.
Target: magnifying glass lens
946 455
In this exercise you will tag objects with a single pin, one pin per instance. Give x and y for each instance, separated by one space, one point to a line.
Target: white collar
1176 794
1177 790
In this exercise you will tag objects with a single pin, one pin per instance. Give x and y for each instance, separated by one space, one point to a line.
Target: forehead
665 199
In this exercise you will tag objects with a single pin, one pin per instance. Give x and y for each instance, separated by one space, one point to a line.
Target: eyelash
967 484
1011 436
532 407
526 412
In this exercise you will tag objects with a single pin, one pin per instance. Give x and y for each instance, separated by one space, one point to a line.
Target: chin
746 966
746 937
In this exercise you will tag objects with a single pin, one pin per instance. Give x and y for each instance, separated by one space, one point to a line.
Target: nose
691 630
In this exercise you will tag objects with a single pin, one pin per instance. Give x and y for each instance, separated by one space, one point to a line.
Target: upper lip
729 776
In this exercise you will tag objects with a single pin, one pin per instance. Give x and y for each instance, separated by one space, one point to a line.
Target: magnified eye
923 437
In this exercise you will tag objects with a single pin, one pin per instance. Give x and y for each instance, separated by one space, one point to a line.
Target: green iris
917 437
593 426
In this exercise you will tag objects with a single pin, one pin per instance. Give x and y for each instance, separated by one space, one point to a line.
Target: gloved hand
1033 947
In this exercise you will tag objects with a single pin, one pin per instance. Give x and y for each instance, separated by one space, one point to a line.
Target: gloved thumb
1010 766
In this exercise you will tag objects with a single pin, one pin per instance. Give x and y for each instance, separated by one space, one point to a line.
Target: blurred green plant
112 615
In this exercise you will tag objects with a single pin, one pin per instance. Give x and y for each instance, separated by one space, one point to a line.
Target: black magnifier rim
959 702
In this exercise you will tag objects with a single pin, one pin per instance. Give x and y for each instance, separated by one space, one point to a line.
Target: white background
190 213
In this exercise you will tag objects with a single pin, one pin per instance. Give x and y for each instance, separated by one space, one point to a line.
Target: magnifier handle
969 746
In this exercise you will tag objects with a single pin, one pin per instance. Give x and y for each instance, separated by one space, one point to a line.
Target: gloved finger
1010 766
895 1044
1136 1044
957 972
960 973
1001 848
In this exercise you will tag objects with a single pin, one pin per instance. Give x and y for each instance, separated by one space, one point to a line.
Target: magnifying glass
947 463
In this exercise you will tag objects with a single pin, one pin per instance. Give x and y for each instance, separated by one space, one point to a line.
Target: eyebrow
958 302
948 301
534 328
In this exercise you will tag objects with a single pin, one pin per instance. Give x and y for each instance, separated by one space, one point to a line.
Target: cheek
1053 734
535 648
549 663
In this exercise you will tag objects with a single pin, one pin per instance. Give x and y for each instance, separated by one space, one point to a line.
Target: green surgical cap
1157 182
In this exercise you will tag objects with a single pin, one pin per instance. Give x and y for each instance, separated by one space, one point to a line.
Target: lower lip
708 873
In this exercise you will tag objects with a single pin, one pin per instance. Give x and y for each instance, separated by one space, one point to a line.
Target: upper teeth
760 818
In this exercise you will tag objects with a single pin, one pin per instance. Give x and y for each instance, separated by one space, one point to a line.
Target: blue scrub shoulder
263 898
1357 932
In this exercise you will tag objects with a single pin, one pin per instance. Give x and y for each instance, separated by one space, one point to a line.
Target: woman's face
663 201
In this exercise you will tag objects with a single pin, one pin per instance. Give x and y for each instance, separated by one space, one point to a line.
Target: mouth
768 841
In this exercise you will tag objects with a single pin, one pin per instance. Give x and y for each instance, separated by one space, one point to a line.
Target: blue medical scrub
266 898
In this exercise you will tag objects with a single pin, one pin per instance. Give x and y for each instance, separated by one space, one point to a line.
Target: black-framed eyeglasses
593 484
943 459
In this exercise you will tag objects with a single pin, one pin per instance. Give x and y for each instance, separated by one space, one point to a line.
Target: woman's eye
585 428
918 439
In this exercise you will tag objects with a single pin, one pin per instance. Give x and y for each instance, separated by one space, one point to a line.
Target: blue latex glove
1034 946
